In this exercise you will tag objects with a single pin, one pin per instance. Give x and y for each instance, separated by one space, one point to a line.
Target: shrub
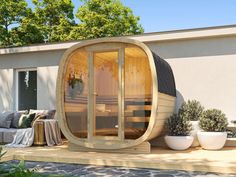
213 120
231 133
191 110
178 126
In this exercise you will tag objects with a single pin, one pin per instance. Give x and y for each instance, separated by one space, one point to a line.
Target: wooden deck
196 159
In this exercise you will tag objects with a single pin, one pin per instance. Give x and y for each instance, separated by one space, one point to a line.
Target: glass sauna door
105 81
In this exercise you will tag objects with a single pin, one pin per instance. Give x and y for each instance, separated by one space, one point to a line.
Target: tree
27 32
101 18
54 18
12 12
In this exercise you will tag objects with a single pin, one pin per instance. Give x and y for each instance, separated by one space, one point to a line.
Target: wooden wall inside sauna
137 74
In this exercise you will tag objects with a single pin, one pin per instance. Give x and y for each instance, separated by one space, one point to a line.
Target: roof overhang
210 32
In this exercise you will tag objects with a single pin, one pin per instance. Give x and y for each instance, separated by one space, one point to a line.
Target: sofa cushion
5 119
1 137
38 112
7 135
49 114
17 115
26 120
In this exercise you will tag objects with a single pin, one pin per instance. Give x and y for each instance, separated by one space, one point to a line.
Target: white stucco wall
204 70
211 80
6 89
46 64
46 81
30 59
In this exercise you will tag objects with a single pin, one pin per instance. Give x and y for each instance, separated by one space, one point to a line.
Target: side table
47 132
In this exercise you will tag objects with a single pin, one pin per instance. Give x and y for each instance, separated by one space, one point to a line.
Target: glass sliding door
105 93
26 89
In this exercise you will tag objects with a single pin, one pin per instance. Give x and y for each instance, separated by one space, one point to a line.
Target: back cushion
38 112
17 115
5 119
26 120
49 114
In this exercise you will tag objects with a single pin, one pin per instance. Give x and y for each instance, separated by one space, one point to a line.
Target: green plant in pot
192 110
178 132
213 124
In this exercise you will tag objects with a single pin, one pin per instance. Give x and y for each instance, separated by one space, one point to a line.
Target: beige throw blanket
23 138
52 132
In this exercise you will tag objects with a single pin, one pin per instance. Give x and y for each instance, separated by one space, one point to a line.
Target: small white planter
212 140
179 142
193 133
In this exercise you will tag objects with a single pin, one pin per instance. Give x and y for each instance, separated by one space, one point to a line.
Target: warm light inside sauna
138 92
108 74
76 93
106 93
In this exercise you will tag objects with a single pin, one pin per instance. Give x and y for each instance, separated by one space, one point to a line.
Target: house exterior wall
46 64
46 93
6 89
30 59
204 69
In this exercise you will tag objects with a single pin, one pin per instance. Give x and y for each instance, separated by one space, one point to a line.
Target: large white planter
193 133
212 140
179 142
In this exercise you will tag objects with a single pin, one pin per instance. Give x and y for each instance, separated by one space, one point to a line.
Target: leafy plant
2 153
231 133
213 120
177 125
15 170
191 110
20 170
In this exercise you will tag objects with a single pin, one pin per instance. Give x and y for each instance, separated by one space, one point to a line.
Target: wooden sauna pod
113 93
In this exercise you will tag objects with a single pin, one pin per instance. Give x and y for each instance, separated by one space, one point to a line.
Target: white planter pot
179 142
193 133
212 140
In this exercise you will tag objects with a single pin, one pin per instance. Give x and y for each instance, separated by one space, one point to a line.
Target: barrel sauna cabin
113 94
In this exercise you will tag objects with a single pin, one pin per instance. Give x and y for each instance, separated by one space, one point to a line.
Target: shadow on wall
46 87
179 100
5 90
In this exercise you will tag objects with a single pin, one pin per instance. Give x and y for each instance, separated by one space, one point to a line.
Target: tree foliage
104 18
54 18
11 13
53 21
27 33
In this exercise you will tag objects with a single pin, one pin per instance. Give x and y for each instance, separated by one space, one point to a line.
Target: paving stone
163 175
96 171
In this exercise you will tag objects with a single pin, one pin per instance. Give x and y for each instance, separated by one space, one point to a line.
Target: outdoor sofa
10 121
